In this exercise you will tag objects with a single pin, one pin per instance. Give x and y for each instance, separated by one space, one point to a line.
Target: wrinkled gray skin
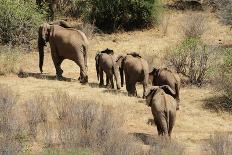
136 70
165 76
65 43
105 63
163 107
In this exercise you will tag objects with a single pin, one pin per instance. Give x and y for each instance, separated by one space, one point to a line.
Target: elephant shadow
43 76
147 139
93 85
114 92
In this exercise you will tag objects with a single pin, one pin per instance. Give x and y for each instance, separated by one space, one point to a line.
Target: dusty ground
194 124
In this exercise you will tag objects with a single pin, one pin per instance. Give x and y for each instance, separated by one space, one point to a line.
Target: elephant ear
168 90
45 32
149 94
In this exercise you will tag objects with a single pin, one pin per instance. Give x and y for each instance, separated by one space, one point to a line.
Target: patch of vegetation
224 10
220 143
9 60
113 15
165 147
191 58
19 21
11 137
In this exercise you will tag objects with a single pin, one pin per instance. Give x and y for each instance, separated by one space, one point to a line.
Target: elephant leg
101 84
172 118
158 127
57 63
112 81
107 81
164 125
144 88
83 74
133 89
128 85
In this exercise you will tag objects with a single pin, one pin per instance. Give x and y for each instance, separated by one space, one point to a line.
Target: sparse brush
164 146
9 144
36 113
194 25
194 60
9 60
220 143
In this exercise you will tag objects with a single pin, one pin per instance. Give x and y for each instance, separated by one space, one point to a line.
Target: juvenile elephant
105 62
165 76
65 43
136 70
163 107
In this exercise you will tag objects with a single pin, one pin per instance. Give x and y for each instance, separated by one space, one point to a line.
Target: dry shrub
194 25
165 23
86 124
88 29
9 60
220 143
36 113
164 146
9 129
193 59
224 10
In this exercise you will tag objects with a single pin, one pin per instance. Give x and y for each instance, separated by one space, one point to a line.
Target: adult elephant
105 62
65 44
163 107
136 70
165 76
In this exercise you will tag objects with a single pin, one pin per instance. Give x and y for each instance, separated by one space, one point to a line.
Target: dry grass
220 143
194 25
10 141
165 147
9 59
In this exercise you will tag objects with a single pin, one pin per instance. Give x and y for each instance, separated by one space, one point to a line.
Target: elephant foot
60 78
84 80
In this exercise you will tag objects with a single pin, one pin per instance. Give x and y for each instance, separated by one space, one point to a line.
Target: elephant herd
162 96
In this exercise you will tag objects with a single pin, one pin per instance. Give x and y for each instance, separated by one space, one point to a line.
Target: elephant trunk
41 44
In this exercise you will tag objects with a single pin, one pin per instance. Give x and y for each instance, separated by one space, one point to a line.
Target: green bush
225 74
19 21
193 59
113 15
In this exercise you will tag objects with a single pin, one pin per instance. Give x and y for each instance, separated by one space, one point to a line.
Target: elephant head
153 74
43 38
152 91
119 65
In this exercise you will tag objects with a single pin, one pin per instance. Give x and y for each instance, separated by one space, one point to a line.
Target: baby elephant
106 62
163 107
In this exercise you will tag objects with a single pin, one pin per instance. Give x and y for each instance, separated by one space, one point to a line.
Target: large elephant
163 107
65 43
136 70
165 76
105 62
